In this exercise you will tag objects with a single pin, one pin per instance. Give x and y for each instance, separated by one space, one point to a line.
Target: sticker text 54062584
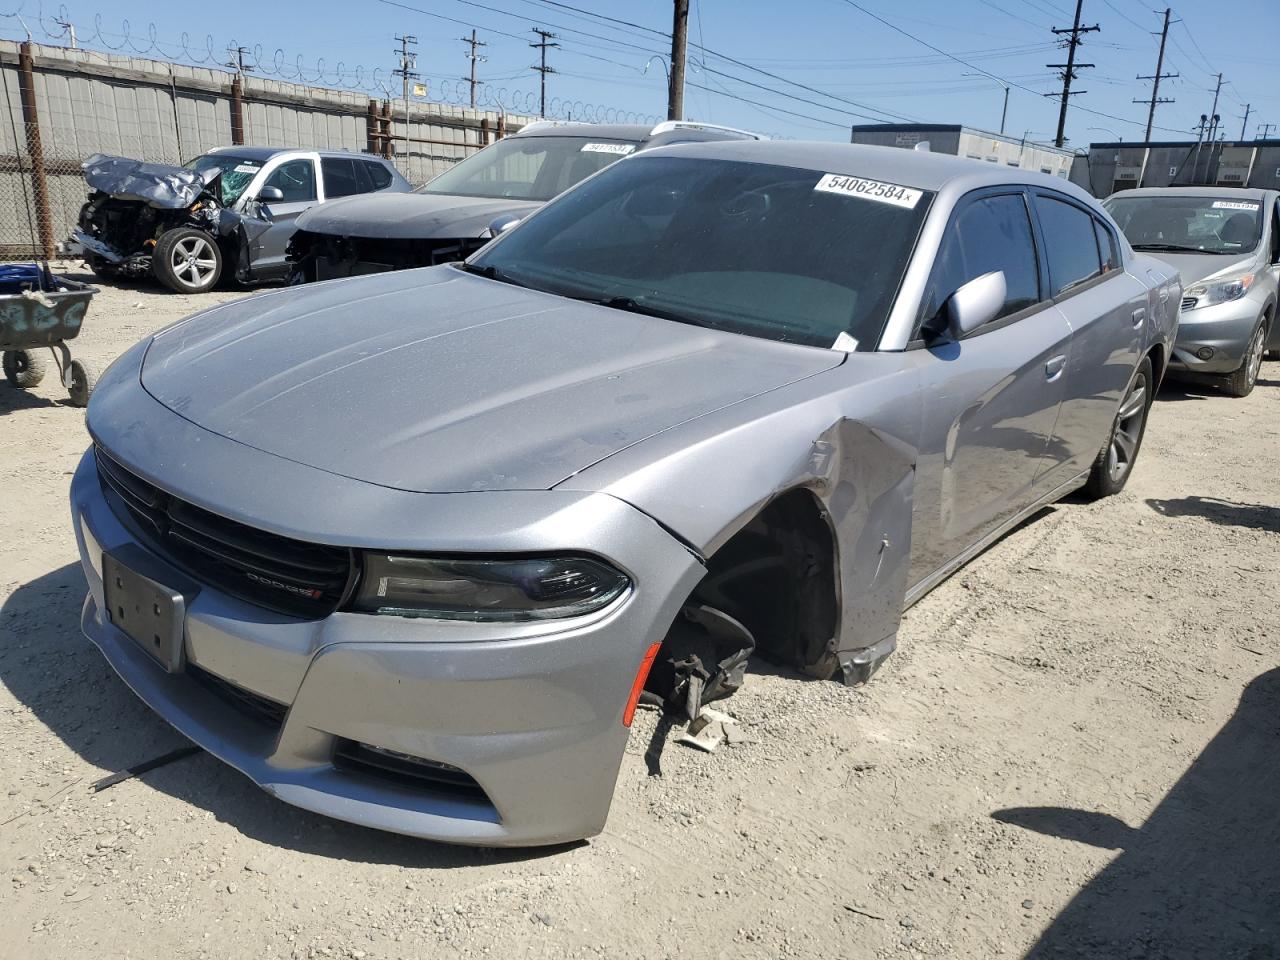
869 190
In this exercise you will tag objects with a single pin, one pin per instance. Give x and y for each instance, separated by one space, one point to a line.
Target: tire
84 377
187 260
24 368
1242 382
1115 460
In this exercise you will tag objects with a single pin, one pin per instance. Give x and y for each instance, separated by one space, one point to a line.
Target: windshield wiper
632 305
490 272
1171 247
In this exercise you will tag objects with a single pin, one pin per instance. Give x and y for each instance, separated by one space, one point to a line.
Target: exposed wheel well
777 577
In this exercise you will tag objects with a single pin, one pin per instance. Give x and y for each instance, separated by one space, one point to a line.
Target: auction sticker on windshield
869 190
1234 205
622 149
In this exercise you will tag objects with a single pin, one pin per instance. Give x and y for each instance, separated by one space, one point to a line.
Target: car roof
266 153
912 168
1226 193
642 134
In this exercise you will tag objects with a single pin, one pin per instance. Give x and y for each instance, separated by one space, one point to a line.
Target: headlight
486 590
1221 291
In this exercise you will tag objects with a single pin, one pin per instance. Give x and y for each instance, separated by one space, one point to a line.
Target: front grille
350 756
306 580
1188 303
262 709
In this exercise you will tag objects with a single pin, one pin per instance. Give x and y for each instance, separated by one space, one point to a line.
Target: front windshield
528 168
236 173
1182 224
778 252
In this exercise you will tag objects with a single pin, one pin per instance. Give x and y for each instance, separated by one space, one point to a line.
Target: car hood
157 184
409 216
1193 267
435 380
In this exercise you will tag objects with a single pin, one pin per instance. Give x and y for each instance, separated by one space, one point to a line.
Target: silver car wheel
1128 430
1254 357
192 260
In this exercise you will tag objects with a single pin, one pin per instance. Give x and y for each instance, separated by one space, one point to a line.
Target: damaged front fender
158 185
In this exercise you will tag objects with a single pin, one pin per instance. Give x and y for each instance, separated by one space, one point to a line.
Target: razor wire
276 64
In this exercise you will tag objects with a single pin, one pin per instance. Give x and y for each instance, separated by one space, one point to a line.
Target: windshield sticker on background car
622 149
1234 205
246 168
869 189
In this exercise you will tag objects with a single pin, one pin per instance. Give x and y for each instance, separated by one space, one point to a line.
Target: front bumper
532 712
1221 332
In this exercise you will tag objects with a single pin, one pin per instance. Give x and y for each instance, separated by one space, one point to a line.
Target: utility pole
406 72
1213 112
1069 69
679 41
542 45
237 60
1155 80
474 58
1248 109
1266 131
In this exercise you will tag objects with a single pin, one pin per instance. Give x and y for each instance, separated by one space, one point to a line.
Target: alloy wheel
193 260
1128 429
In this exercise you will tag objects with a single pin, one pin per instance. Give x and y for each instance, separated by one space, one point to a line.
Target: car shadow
51 668
1225 513
1176 390
1201 878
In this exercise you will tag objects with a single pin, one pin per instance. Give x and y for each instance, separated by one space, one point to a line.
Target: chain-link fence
63 105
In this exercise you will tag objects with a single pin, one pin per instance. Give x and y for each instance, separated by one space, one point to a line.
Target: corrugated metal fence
64 105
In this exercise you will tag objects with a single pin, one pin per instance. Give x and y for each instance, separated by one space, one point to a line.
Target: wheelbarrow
37 310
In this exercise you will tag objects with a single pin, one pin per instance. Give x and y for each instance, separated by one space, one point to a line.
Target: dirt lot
1073 754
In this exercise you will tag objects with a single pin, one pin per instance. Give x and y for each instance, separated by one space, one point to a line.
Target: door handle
1140 314
1053 368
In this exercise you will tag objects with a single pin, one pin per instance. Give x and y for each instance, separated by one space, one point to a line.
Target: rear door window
340 177
1070 241
378 175
296 179
987 234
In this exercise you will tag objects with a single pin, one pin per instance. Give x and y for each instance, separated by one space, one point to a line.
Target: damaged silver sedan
407 549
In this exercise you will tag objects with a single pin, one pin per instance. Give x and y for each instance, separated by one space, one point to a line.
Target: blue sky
857 69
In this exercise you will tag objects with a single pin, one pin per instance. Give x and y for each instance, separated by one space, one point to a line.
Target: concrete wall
89 102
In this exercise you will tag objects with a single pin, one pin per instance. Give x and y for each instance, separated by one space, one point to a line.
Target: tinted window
1071 245
379 175
763 250
1107 247
296 179
993 233
340 177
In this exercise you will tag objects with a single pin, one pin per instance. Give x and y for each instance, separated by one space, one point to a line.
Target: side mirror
502 223
270 195
977 302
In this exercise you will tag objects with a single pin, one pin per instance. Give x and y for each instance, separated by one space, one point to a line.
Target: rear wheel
1242 382
24 368
1115 461
187 260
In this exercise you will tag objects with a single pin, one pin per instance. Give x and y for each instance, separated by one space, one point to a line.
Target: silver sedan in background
407 549
1225 243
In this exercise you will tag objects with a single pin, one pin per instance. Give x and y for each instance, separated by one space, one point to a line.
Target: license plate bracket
152 614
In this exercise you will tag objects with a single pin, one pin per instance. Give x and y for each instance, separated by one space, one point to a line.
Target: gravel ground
1071 755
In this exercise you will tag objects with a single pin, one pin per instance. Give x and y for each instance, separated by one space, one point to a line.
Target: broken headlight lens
486 590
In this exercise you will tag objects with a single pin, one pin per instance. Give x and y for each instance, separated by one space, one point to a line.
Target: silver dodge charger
408 549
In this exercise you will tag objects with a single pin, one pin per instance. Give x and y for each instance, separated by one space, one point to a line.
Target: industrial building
968 142
1110 167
